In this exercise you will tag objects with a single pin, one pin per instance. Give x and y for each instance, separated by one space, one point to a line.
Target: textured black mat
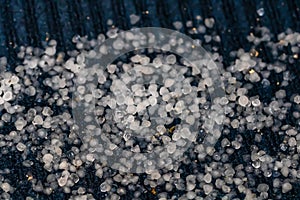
33 22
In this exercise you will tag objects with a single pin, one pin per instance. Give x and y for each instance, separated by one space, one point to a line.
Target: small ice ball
50 51
207 178
256 102
152 100
145 69
209 22
62 181
112 33
7 96
208 82
202 29
145 60
136 59
207 189
171 148
105 187
20 123
112 103
157 62
38 120
178 25
186 89
47 158
286 187
118 44
103 49
166 97
131 109
101 78
169 82
190 119
20 146
185 133
134 19
171 59
14 80
291 132
169 107
243 100
297 99
111 68
163 90
179 105
146 123
261 12
134 125
5 187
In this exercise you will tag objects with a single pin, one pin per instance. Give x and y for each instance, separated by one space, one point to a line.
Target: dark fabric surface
32 22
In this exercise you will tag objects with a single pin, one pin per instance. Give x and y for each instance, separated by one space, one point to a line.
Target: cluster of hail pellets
37 123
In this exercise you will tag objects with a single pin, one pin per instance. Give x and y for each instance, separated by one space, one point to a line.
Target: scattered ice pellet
146 123
179 106
286 187
145 60
291 132
207 178
171 59
207 189
155 175
243 100
136 59
131 109
7 96
112 33
111 68
256 102
62 181
262 187
292 142
105 187
47 158
171 148
190 119
14 80
63 165
178 25
297 99
20 123
254 77
47 111
118 44
5 187
157 62
134 19
21 147
169 82
224 101
261 12
50 51
209 22
152 100
38 120
191 195
162 88
144 69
